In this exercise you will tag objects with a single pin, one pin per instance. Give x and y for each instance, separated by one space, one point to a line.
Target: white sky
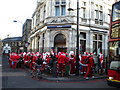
11 10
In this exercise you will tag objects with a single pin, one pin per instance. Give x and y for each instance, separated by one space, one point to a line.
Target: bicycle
37 71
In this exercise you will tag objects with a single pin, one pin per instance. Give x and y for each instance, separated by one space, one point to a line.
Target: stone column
40 43
105 44
91 41
35 41
88 41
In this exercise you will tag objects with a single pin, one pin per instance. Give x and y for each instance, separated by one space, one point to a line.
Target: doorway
60 43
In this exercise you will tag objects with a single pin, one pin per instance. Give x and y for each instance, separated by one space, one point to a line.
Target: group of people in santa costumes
66 63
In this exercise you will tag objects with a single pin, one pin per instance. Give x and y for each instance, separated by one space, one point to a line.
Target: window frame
96 48
60 5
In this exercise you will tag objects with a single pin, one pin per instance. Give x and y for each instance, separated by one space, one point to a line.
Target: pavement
72 78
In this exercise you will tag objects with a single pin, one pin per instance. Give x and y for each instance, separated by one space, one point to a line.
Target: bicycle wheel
39 75
33 73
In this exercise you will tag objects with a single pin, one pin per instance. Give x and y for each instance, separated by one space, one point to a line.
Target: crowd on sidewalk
65 62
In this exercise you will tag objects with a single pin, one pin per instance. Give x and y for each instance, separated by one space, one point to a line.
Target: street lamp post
21 24
77 42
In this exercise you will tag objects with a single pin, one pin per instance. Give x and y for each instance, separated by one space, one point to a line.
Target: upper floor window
60 7
101 8
84 12
83 9
44 12
57 2
99 14
84 3
96 14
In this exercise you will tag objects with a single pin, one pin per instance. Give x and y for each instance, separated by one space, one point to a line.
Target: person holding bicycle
38 67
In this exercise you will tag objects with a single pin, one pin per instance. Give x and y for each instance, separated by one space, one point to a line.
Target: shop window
82 35
95 47
82 46
82 42
97 44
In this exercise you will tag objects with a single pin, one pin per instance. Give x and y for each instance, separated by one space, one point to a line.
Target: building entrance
62 49
60 43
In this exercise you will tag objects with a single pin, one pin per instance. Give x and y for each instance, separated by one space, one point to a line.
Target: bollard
54 72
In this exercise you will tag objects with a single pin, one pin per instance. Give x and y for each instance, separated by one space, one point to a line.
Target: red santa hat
91 54
86 53
71 53
59 53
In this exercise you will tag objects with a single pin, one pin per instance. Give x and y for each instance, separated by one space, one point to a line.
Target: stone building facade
53 26
25 32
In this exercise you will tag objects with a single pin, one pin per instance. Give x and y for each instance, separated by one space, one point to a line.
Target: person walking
84 67
72 61
61 64
90 65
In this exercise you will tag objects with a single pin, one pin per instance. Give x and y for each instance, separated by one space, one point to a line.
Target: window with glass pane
82 35
63 2
101 8
99 47
114 50
95 47
57 11
84 10
57 2
84 3
95 37
82 46
101 15
99 37
63 10
97 14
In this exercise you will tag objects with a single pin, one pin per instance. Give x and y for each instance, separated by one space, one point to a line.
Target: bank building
55 27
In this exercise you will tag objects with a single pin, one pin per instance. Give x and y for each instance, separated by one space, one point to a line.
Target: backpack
87 60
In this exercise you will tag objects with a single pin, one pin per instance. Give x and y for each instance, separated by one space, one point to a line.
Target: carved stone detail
59 20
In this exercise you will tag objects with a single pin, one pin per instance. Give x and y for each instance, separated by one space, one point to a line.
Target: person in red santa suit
61 64
10 60
25 59
15 60
72 61
84 67
33 61
48 58
100 63
90 66
29 60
